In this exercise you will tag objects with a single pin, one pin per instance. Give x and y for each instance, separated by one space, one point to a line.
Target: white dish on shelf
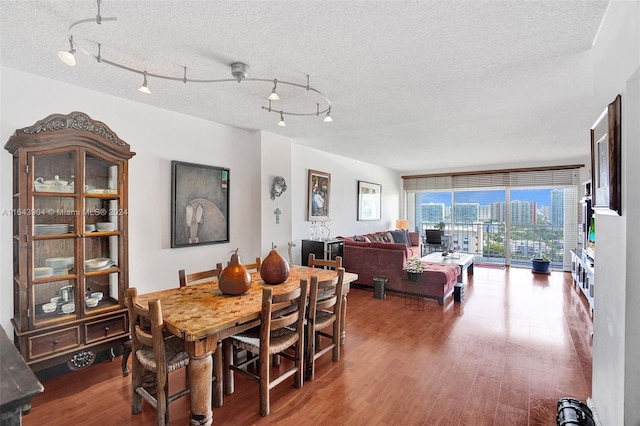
55 299
89 227
42 272
97 295
91 302
56 228
96 263
105 226
47 308
68 308
56 262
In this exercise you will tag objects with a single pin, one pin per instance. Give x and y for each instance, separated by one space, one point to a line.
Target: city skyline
542 197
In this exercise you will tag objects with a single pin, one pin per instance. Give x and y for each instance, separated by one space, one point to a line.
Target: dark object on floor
573 412
378 287
458 292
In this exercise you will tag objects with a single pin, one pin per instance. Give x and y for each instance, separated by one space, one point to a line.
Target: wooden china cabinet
70 256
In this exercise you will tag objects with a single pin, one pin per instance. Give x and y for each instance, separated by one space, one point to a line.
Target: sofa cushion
400 236
414 238
350 242
390 246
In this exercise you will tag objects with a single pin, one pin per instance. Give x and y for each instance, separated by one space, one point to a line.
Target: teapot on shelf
54 185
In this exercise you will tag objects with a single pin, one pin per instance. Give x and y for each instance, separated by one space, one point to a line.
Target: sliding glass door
503 225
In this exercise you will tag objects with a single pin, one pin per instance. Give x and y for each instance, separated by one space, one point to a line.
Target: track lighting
238 72
67 56
327 118
274 96
144 88
281 123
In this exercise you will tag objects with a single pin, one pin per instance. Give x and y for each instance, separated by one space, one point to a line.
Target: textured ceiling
415 85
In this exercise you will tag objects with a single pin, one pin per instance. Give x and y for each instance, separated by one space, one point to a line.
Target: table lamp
402 224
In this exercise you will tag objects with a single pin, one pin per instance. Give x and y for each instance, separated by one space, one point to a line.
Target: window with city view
503 226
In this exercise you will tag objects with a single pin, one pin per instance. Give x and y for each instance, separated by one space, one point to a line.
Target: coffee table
464 260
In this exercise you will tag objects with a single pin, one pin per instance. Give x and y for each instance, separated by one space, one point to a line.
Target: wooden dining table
202 317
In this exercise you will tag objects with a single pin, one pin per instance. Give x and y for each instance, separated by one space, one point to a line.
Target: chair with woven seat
322 263
194 278
155 356
324 311
281 332
186 279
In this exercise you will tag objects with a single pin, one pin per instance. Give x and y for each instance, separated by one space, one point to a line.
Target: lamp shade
402 224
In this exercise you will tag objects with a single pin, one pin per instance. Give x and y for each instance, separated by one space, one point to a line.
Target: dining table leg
200 376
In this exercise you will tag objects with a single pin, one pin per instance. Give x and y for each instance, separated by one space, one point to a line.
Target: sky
542 197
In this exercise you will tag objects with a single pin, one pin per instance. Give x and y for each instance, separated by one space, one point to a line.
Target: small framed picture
369 199
606 171
318 195
199 204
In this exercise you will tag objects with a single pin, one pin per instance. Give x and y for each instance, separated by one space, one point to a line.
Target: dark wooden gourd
274 268
234 279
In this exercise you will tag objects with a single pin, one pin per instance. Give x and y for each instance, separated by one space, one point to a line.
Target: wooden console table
18 384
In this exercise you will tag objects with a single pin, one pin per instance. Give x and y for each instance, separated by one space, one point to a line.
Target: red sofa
371 258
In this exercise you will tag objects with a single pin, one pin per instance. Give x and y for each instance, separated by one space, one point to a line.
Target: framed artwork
369 198
606 168
199 204
318 195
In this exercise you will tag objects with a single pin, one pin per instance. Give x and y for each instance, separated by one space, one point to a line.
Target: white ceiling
415 85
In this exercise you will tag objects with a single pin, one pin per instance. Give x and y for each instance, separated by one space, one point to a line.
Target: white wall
343 209
616 342
276 161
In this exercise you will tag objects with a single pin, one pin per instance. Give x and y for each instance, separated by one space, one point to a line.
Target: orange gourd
234 279
274 268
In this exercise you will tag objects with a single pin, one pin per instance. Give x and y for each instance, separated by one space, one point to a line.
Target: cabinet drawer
51 343
106 328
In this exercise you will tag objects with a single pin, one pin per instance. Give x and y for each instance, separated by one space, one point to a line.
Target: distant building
432 213
557 207
523 212
466 212
499 212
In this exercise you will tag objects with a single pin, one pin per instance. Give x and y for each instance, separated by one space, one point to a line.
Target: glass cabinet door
54 172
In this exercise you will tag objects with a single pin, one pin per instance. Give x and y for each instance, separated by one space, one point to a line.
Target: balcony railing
487 242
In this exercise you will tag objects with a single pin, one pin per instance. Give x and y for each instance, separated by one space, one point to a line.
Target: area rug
488 265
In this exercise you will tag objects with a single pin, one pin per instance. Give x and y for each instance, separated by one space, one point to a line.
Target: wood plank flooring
518 343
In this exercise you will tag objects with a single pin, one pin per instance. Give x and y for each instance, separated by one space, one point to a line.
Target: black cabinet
323 249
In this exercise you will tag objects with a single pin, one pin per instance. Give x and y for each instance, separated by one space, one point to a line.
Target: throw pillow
400 236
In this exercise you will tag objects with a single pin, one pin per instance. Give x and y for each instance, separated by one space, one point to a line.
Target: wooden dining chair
324 311
194 278
281 331
155 356
252 267
186 279
322 263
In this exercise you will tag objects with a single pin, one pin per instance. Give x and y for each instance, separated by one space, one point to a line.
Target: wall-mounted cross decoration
277 213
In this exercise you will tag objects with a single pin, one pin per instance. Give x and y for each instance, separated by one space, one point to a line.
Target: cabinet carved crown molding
75 121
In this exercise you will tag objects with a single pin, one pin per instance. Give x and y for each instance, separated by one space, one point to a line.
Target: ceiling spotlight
274 96
144 88
67 56
328 118
281 123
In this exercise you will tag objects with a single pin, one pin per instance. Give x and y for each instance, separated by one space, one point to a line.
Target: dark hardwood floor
518 343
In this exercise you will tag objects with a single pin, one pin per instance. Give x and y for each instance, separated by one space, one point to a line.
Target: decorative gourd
274 268
234 279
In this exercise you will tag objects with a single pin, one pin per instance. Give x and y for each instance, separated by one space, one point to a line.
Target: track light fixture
274 96
238 72
144 88
281 123
67 56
